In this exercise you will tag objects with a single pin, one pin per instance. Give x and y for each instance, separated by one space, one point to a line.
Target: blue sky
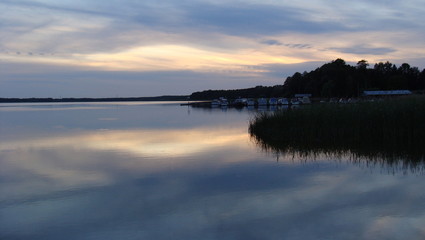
108 48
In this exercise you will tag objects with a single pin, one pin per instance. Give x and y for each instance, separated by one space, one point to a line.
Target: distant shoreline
125 99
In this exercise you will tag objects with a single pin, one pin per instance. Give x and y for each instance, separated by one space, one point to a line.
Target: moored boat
283 101
250 102
305 100
223 102
273 101
215 103
262 102
240 102
295 101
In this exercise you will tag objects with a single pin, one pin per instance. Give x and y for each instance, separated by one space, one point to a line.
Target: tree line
118 99
255 92
334 79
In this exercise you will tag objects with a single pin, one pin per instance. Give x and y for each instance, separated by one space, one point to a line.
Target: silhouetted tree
362 64
334 79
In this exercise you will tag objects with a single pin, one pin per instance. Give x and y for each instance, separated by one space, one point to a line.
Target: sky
134 48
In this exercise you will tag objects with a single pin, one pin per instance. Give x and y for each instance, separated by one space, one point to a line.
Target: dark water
163 171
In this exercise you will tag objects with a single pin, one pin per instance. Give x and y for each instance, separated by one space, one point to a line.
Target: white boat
283 101
342 100
272 101
305 100
250 102
215 103
240 102
295 101
223 102
262 102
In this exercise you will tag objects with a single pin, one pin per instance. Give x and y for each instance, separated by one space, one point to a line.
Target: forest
123 99
333 79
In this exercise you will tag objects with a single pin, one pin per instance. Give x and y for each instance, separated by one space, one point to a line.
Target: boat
305 100
283 101
223 102
295 101
262 102
215 103
250 102
240 102
273 101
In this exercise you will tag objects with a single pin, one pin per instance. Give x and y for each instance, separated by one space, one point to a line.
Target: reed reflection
401 158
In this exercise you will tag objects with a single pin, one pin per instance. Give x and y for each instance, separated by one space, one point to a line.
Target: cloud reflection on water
193 183
98 157
142 143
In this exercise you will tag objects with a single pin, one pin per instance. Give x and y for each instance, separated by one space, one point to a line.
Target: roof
389 92
303 95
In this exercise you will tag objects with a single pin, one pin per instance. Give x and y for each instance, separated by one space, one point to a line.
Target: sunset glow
215 42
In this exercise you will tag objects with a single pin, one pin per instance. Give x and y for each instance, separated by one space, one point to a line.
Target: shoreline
123 99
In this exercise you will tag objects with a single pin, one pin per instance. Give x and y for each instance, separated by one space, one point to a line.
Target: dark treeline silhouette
128 99
338 79
255 92
334 79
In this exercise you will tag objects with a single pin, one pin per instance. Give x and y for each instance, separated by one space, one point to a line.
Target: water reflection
90 157
140 142
156 173
404 158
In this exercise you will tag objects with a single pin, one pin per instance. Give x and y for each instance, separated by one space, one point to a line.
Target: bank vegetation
390 129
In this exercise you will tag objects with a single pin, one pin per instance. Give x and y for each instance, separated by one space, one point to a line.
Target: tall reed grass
392 129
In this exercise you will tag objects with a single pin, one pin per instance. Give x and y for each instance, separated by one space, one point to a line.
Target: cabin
386 93
301 95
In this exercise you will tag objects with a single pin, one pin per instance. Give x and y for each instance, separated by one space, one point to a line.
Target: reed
393 129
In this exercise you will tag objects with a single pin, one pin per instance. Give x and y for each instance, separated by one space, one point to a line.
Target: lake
158 170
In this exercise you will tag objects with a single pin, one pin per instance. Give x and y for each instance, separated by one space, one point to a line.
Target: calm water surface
165 171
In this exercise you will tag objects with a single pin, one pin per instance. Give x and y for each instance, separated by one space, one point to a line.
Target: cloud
108 27
365 50
211 40
48 80
282 71
56 6
271 42
255 19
